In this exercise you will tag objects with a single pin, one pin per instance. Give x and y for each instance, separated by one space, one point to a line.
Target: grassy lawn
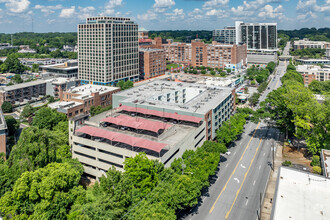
174 65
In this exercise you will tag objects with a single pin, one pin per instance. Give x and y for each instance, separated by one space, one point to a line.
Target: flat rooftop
301 195
22 85
62 66
63 106
199 98
88 89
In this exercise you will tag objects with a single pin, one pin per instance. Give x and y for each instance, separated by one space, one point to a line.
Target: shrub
287 163
317 170
315 161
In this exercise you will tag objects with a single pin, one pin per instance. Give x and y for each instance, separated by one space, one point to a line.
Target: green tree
7 107
271 67
13 65
28 111
35 68
47 118
51 99
203 72
46 193
253 100
12 124
213 73
17 79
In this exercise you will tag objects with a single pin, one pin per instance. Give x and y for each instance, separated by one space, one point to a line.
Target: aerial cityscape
165 109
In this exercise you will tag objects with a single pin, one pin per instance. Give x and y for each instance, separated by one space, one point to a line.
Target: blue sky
64 15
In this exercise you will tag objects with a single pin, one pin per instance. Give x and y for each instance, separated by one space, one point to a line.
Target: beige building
305 43
314 72
152 62
108 50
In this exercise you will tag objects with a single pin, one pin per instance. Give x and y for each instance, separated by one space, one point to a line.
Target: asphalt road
243 175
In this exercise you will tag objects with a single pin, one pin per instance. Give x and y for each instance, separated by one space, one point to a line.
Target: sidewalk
269 194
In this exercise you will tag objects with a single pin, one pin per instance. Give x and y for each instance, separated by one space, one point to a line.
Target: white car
228 153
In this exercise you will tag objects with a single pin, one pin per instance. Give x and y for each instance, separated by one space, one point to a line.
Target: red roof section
145 40
137 123
161 114
122 138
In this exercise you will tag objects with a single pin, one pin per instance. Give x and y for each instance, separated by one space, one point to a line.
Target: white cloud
150 15
311 5
304 17
214 3
163 5
218 13
269 12
47 10
85 12
50 21
16 6
176 14
111 5
196 13
68 12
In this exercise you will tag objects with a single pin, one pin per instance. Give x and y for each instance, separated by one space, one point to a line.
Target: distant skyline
64 15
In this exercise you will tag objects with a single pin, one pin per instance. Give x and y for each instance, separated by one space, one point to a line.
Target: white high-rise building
257 36
108 50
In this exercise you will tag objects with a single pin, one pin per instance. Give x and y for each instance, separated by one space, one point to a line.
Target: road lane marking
264 154
237 180
259 167
246 202
223 189
232 205
254 182
227 165
234 152
243 166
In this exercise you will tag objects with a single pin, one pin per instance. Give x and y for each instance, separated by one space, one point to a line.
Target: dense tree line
321 34
293 108
55 39
308 52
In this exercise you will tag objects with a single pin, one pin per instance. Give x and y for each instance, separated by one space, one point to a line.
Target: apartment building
257 36
314 72
152 62
305 43
23 93
327 52
160 118
213 55
108 50
79 100
225 36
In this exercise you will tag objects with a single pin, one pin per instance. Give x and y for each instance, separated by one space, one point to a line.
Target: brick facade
152 62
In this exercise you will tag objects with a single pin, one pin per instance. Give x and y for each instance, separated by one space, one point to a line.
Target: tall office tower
257 36
225 36
108 50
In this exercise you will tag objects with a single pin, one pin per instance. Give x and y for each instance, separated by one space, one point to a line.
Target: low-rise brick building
213 55
79 100
152 62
